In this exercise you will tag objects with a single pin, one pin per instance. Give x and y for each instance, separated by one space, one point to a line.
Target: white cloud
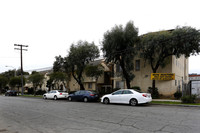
50 26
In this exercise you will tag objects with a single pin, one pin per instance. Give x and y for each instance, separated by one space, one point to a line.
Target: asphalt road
31 115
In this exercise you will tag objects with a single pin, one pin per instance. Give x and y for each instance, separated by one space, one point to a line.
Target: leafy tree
79 56
158 46
15 82
94 71
58 64
50 84
18 72
57 77
119 46
9 74
36 79
186 41
3 82
60 74
34 72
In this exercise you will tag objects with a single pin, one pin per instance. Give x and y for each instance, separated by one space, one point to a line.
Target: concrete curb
180 105
169 100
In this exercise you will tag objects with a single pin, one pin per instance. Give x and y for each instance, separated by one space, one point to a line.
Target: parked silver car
55 94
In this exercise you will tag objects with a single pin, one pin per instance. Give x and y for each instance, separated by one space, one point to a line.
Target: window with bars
89 85
137 65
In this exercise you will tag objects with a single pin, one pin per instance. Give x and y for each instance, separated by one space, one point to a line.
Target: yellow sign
162 76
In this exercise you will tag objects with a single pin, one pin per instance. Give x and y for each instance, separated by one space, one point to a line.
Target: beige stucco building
111 77
142 72
103 83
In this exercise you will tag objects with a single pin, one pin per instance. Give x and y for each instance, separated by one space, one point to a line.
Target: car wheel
45 97
55 98
85 99
106 101
70 98
133 102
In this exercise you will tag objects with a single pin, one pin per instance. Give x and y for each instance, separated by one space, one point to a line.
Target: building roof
194 75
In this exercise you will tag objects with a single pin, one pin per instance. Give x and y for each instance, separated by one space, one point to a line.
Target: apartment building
111 77
102 85
142 72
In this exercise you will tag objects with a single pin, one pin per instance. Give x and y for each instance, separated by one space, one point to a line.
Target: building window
137 65
89 85
120 84
175 82
118 68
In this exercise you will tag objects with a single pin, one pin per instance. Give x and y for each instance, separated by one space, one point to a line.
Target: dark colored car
83 95
11 93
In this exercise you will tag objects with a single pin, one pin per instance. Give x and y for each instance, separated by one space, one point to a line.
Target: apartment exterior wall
143 78
73 85
179 66
90 83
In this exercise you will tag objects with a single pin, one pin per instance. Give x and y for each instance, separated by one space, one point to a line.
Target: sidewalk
167 100
174 104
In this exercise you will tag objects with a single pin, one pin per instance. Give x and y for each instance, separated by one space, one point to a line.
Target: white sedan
55 94
127 96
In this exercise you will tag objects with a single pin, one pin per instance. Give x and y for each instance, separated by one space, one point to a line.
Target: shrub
154 92
177 95
137 88
30 91
40 92
188 99
71 92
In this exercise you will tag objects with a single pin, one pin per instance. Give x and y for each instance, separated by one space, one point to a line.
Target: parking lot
32 115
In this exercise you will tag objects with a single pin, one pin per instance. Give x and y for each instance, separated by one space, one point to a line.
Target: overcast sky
49 27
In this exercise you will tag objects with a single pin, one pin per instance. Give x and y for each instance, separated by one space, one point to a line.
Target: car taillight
91 94
144 95
60 93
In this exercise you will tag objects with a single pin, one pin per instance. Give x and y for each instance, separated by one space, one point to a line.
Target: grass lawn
179 103
30 96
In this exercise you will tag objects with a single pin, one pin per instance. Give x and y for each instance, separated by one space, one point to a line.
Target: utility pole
19 45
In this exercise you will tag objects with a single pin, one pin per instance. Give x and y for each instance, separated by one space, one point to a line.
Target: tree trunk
34 91
128 85
97 90
79 82
153 84
125 75
153 81
18 90
81 86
